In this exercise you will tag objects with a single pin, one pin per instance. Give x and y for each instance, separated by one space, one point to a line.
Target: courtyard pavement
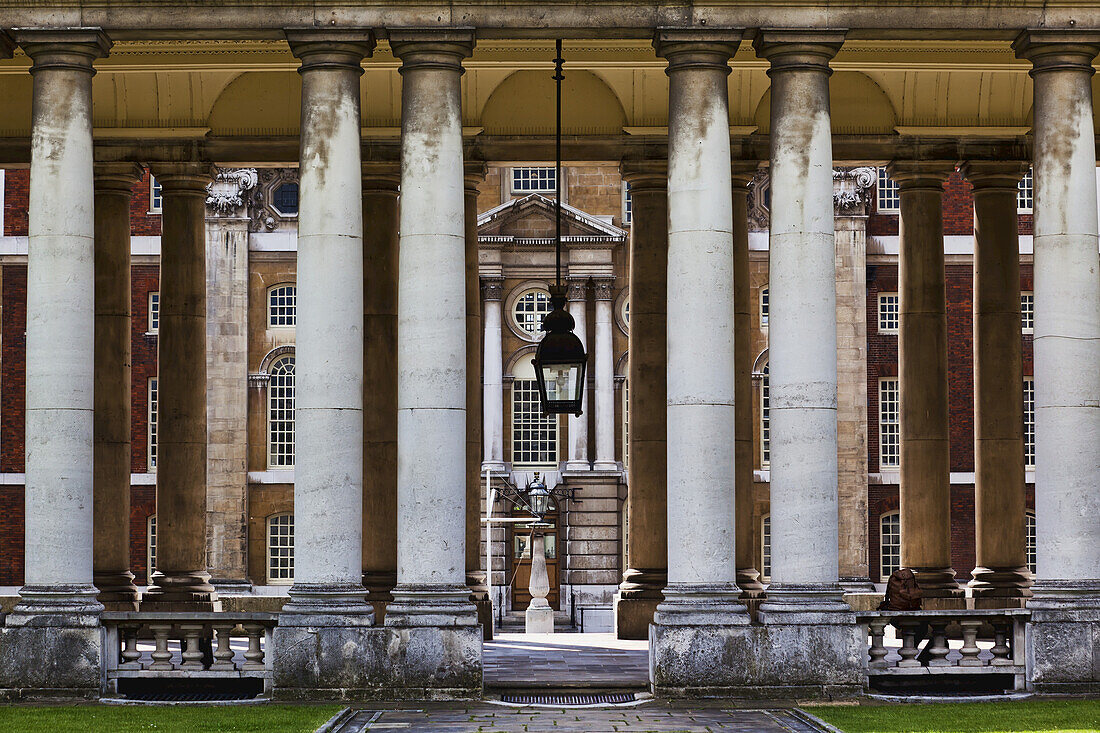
533 661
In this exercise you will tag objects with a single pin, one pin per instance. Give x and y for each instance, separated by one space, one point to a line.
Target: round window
284 199
529 309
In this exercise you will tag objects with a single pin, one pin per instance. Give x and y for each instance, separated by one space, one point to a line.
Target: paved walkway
565 660
651 717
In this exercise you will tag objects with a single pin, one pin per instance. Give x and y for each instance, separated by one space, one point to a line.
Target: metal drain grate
610 698
166 696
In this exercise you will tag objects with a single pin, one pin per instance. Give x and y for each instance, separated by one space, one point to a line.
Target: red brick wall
11 535
143 363
13 363
17 185
143 504
142 223
882 353
960 365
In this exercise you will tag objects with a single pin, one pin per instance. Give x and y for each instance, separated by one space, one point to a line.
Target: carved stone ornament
227 194
492 289
759 216
576 290
852 190
602 289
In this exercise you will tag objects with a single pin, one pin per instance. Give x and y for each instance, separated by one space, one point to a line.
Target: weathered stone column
1001 577
111 453
328 501
646 572
922 368
802 328
605 379
51 644
475 576
493 393
431 392
748 577
182 581
380 201
701 587
1066 603
577 305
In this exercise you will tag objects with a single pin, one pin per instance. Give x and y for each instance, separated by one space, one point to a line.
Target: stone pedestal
539 618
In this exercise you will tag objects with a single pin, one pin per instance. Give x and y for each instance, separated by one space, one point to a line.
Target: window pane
888 197
1027 312
529 310
1029 423
280 548
1025 192
889 544
534 179
1032 559
280 422
765 418
151 546
152 462
765 306
889 312
889 423
766 547
154 311
282 306
534 436
285 199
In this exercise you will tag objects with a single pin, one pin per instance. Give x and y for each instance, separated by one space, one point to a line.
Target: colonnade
339 447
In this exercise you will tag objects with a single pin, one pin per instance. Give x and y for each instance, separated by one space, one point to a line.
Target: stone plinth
317 658
50 662
1063 638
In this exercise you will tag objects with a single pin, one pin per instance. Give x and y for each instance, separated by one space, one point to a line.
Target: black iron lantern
560 359
538 498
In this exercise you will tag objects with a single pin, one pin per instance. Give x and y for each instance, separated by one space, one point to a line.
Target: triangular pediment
532 218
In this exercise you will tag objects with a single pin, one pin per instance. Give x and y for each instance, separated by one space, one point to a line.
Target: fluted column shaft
577 304
802 326
647 498
925 489
700 392
380 184
328 490
999 492
1067 321
432 356
111 453
60 326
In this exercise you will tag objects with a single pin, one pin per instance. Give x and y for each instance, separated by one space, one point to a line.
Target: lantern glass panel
562 382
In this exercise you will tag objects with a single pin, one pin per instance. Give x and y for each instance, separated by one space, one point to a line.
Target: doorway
520 544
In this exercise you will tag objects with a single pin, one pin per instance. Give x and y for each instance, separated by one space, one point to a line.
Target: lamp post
539 618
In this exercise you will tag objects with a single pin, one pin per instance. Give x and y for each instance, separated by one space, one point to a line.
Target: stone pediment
530 220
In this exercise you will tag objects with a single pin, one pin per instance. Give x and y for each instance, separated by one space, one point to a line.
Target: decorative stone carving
492 289
576 290
852 190
759 216
228 193
263 217
602 289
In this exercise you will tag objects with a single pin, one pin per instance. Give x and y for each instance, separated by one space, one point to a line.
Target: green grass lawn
189 719
1025 716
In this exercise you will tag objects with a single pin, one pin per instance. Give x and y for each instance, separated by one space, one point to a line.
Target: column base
1000 587
117 591
328 604
479 595
860 584
575 466
231 586
443 605
497 467
1063 637
701 604
181 590
379 587
64 606
333 657
748 580
637 600
605 466
805 603
939 588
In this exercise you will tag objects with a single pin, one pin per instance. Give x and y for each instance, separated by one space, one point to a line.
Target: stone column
111 451
493 394
57 588
802 329
646 572
380 202
577 305
748 577
922 368
431 392
701 587
605 379
328 501
475 576
182 581
1067 358
1001 577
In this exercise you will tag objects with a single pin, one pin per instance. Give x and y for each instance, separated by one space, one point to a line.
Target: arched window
280 413
282 306
150 548
280 549
529 309
534 436
765 418
889 542
765 306
1032 554
766 548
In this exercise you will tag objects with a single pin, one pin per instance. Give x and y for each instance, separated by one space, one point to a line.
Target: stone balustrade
889 666
173 645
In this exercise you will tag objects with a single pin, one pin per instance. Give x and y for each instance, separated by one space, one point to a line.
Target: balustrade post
970 648
937 643
223 655
254 657
130 652
192 654
1000 650
162 657
878 651
908 651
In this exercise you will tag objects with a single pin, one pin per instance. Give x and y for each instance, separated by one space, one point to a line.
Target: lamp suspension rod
558 76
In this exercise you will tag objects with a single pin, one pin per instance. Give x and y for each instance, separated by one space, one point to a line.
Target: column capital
185 178
986 175
66 48
602 288
645 174
576 289
790 50
492 288
914 174
852 190
1052 50
116 178
381 178
473 173
343 48
742 173
697 49
431 49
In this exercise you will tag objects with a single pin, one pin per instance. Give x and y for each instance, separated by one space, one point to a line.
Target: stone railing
186 646
902 667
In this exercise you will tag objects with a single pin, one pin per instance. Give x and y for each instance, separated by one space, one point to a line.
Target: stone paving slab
565 660
655 717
